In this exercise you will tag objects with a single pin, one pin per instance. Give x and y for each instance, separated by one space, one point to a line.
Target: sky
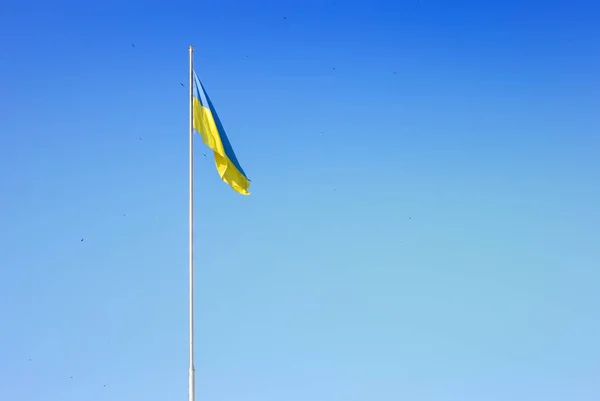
423 223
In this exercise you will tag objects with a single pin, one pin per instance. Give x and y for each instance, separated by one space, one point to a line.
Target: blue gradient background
439 240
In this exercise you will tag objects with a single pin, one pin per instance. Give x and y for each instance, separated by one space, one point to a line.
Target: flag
208 125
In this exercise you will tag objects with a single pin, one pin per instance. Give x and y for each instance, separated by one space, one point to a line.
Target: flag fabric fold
208 125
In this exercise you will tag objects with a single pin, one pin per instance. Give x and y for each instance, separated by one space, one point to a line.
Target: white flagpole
191 373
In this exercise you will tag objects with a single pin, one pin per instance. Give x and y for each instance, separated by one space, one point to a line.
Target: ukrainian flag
208 125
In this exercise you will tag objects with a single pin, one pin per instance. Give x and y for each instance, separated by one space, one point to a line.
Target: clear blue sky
424 221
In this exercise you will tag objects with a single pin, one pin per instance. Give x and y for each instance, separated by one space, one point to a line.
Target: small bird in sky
181 83
81 240
132 45
140 138
285 18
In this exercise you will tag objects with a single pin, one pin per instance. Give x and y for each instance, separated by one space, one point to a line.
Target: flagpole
191 372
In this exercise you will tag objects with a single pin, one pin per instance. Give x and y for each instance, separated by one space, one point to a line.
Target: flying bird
81 240
285 18
181 83
132 45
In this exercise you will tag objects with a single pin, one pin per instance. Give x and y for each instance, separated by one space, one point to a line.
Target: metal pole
191 373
